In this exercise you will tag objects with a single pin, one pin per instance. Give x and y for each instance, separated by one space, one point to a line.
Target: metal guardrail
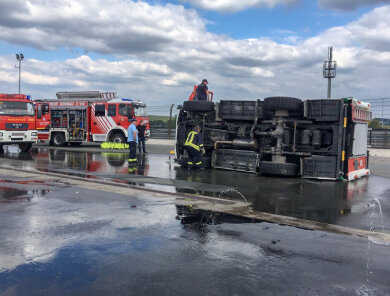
379 138
161 133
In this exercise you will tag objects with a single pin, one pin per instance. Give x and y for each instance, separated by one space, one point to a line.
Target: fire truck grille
16 126
17 135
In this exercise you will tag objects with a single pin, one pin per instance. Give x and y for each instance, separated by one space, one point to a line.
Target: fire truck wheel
118 138
283 103
58 140
198 106
25 147
278 169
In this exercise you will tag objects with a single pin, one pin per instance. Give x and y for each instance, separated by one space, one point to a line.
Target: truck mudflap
320 167
237 160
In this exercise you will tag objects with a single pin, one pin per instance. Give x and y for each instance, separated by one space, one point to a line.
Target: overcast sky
157 50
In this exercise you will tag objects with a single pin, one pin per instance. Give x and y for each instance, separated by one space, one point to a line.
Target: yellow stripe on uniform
345 122
342 155
189 140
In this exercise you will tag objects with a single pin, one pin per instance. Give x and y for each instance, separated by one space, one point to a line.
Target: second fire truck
78 117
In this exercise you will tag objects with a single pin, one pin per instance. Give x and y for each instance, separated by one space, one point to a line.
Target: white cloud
346 5
157 53
234 5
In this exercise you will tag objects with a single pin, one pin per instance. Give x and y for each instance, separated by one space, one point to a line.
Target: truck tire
181 134
25 147
58 140
283 103
118 138
278 168
198 106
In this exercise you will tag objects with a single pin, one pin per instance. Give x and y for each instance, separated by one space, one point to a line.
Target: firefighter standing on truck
202 91
194 144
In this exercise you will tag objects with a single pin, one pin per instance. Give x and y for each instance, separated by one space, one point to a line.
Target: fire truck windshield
16 108
140 111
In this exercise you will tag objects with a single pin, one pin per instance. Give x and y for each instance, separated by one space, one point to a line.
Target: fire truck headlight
34 134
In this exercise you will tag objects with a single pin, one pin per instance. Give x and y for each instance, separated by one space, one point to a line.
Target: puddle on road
322 201
26 190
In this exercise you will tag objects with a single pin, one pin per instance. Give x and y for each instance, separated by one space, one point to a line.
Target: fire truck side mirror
39 111
45 109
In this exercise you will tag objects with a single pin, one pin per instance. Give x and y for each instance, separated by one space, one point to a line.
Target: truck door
42 116
99 123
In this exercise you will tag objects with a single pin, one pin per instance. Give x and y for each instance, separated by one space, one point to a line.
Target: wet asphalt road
348 204
58 239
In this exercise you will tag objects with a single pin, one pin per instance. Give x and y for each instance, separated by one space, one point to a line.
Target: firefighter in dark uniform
194 146
202 91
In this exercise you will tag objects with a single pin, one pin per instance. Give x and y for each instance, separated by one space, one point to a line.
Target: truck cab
17 121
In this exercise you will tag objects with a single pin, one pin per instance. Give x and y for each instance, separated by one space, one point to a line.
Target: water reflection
11 191
323 201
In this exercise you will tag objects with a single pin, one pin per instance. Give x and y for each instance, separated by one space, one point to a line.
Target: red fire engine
78 117
17 121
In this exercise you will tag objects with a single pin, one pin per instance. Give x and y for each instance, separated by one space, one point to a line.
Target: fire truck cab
78 117
17 121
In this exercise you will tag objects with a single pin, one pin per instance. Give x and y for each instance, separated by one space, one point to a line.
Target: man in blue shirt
132 139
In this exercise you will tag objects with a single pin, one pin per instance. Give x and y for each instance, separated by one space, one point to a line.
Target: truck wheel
118 138
283 103
58 140
278 168
198 106
25 147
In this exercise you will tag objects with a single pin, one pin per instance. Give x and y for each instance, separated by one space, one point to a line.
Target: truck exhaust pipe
248 143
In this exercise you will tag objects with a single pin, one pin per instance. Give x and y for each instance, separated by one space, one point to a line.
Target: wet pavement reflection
59 239
343 203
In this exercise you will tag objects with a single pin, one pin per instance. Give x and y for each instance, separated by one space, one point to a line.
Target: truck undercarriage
281 136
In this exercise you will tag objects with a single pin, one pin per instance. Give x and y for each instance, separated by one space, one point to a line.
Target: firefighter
132 139
202 91
194 145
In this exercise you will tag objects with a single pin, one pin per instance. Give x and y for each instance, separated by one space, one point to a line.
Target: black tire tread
63 140
283 103
198 106
278 169
118 134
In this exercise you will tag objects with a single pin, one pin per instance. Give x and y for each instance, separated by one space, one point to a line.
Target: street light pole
20 58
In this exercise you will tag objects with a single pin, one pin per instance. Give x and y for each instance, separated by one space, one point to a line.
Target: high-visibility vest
190 141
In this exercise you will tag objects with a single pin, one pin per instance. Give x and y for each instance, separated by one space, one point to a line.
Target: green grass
158 117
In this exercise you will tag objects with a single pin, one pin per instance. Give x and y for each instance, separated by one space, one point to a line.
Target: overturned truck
280 136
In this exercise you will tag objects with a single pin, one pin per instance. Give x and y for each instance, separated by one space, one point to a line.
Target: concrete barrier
160 142
379 152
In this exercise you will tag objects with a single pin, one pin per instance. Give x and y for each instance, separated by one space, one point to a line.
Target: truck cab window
99 110
111 110
125 110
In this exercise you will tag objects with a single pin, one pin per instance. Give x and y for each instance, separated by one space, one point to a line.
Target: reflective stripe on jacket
194 140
